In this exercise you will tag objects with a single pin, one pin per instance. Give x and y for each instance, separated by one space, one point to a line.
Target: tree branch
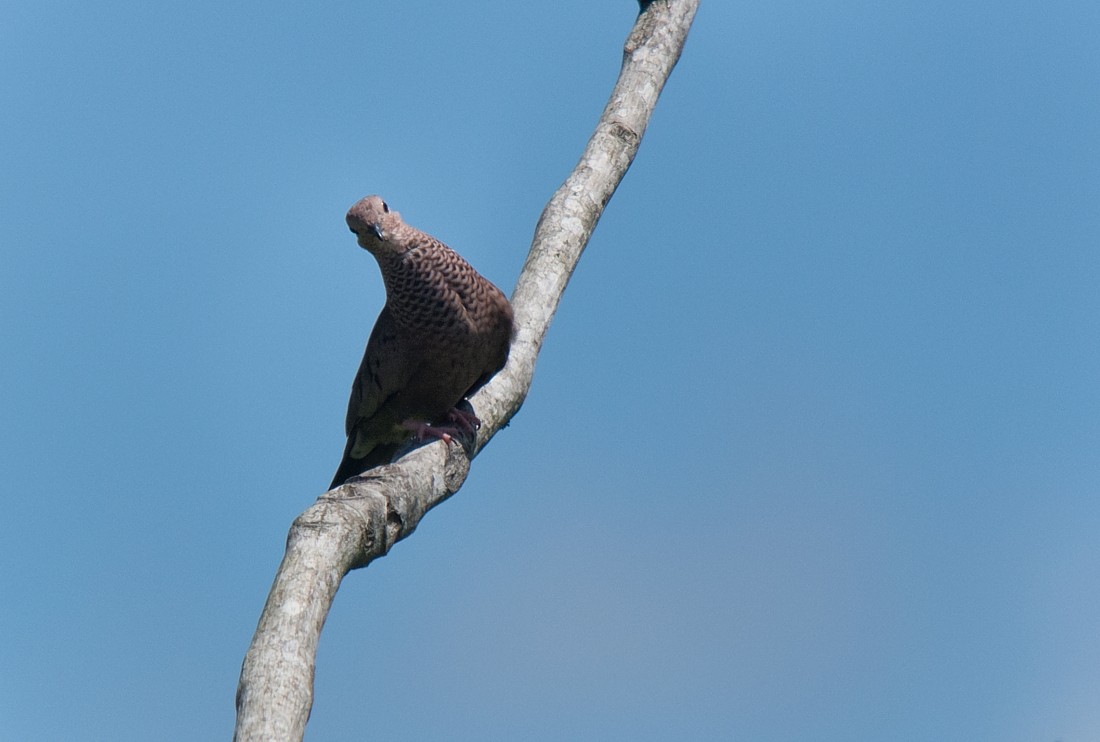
361 520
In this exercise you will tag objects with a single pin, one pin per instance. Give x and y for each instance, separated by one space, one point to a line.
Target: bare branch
361 520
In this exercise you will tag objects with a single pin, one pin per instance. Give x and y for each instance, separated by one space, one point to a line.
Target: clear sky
813 448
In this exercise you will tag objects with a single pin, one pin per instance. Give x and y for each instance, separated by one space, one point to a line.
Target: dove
443 332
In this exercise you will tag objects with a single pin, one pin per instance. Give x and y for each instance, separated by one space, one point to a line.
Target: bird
443 332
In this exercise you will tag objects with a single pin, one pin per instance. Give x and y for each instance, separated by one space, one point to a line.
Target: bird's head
375 225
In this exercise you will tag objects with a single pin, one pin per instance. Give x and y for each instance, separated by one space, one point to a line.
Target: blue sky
813 448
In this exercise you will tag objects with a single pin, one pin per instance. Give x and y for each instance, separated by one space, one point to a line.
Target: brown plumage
442 334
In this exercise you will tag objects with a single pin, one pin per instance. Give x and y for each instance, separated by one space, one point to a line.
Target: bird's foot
468 421
458 422
424 431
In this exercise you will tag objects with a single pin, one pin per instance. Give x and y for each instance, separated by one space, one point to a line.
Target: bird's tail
349 467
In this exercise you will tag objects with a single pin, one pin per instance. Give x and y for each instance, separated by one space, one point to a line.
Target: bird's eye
385 208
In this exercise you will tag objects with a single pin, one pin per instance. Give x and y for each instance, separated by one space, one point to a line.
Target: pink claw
461 422
423 431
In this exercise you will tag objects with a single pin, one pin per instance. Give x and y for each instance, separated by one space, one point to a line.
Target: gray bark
361 520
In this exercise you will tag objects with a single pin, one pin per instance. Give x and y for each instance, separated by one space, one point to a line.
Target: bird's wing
380 374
